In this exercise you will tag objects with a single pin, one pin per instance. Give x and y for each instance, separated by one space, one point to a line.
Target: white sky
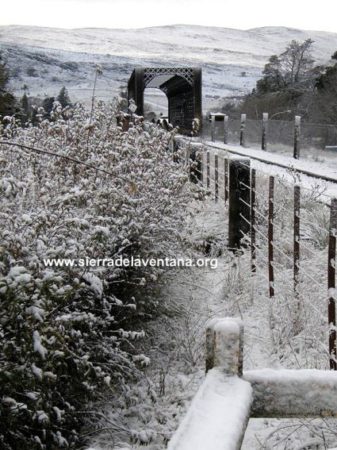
242 14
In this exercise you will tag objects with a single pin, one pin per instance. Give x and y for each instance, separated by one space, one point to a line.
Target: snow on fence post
212 127
208 170
225 129
297 133
264 131
297 205
271 237
216 177
252 220
224 345
332 284
239 198
243 130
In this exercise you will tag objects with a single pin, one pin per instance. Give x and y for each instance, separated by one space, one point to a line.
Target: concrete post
297 133
224 345
243 130
225 131
213 128
264 131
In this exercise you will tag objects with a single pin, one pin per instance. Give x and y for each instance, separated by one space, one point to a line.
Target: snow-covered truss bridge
182 86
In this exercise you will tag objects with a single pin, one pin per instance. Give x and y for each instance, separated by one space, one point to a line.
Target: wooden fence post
239 198
188 157
225 131
175 150
271 237
297 205
226 179
252 220
243 130
264 130
195 163
297 133
212 127
332 284
208 170
216 177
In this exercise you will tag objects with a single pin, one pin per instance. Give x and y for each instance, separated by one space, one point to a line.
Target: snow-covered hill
45 59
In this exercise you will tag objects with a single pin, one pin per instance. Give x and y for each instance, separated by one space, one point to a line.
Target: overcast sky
242 14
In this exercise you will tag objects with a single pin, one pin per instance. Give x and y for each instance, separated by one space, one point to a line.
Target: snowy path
227 291
175 346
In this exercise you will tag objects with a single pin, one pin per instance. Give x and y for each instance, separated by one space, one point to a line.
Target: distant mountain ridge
45 59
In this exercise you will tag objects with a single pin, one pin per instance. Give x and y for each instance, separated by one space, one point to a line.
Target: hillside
45 59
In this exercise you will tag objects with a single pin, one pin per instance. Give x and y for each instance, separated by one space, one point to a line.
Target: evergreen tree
25 112
47 105
325 105
34 116
7 100
288 83
63 98
291 69
272 80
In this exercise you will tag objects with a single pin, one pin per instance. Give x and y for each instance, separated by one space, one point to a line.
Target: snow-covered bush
67 331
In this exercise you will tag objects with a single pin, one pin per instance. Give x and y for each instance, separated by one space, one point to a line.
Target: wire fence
315 141
288 231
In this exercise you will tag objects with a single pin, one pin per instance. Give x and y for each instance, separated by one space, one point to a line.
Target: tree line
26 109
293 84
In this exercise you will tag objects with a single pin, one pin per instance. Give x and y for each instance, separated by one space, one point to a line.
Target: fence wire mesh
298 300
316 139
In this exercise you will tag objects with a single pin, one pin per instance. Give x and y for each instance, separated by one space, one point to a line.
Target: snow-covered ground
177 351
232 60
45 59
284 165
191 296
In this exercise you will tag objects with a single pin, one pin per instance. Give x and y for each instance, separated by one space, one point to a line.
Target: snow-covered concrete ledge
293 393
218 416
219 413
